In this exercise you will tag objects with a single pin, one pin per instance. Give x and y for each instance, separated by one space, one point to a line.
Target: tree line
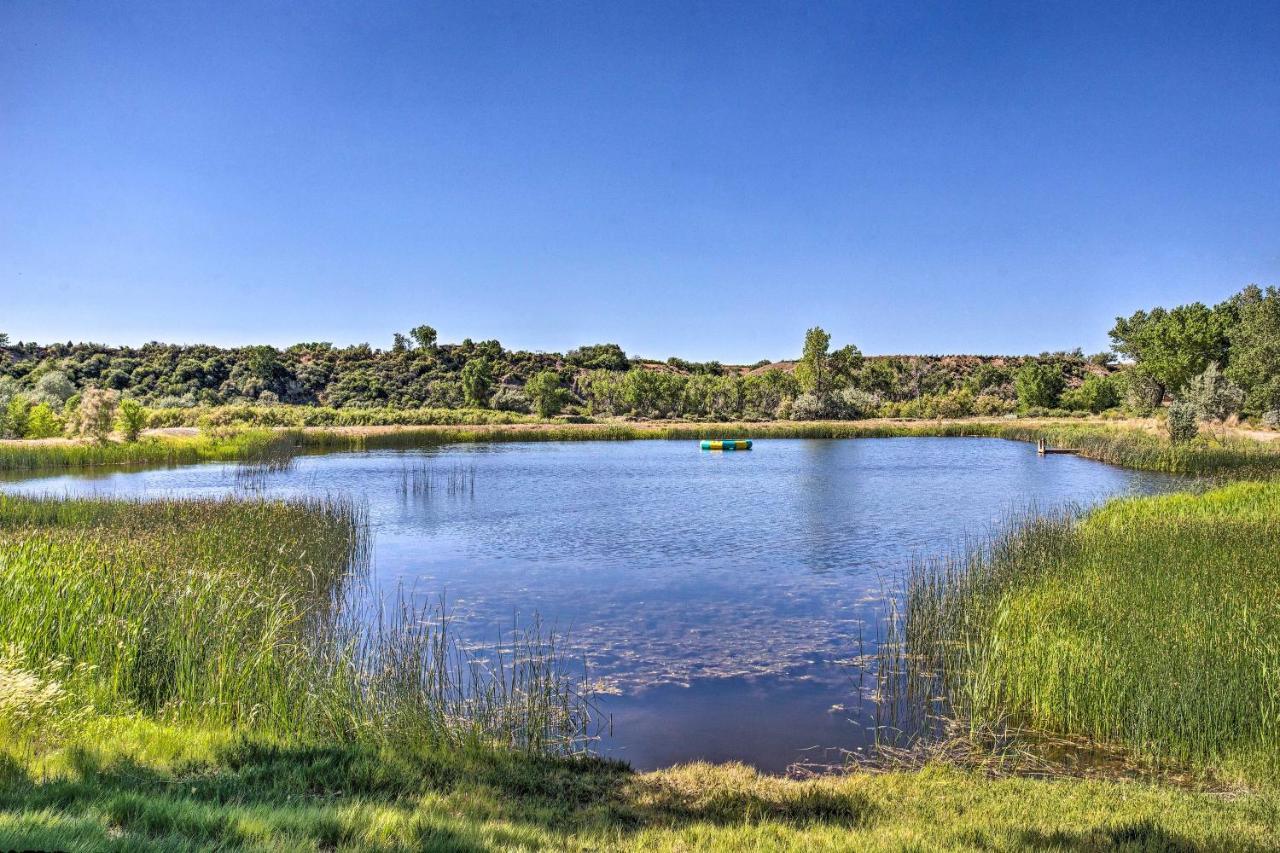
1221 362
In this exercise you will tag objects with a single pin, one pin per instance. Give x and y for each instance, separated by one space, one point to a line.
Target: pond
717 599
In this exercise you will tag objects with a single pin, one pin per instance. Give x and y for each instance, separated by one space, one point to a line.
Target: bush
508 399
1142 395
133 419
1271 419
855 404
1183 422
43 422
992 405
546 393
807 407
1214 396
953 404
98 412
15 417
1039 385
1096 394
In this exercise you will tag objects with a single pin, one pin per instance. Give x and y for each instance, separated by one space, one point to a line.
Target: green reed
159 450
1149 623
253 614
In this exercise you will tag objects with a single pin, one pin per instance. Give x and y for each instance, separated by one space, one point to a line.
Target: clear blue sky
699 179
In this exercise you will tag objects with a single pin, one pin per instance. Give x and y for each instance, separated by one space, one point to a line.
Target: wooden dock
1043 448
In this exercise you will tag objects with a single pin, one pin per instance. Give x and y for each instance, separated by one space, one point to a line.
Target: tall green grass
1150 623
159 450
249 615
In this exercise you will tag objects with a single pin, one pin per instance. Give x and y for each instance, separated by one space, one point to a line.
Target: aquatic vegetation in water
1149 623
245 614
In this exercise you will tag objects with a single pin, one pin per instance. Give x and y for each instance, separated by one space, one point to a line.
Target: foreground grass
127 784
1152 623
241 614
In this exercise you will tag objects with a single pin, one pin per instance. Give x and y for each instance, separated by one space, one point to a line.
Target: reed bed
226 446
250 615
1151 624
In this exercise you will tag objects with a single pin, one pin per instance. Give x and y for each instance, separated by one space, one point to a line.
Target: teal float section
726 444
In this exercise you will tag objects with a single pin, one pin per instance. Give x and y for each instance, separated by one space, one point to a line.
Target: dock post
1040 448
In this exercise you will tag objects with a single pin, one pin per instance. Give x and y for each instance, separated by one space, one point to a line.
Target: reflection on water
715 597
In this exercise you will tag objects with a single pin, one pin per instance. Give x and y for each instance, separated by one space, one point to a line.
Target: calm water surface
716 597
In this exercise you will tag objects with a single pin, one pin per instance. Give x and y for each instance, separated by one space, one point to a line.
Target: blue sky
700 179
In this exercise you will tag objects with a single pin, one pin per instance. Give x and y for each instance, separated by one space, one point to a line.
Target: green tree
1255 348
43 422
477 382
16 416
1096 394
1172 346
424 336
844 364
548 396
812 371
132 420
53 388
1038 385
598 357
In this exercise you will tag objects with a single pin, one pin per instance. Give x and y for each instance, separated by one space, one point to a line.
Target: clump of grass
244 615
424 480
1149 623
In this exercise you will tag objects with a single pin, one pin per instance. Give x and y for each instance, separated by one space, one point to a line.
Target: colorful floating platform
726 444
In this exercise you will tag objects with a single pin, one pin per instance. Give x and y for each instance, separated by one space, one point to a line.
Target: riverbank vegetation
1149 625
1138 444
1219 362
244 614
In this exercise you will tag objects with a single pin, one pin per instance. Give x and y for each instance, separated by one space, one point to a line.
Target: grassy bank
1152 623
132 784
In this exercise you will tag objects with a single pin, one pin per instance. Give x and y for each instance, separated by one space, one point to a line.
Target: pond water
717 598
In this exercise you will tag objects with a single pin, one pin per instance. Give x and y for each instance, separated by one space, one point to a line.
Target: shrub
98 412
1183 422
1142 395
854 404
509 399
43 422
546 393
1271 418
1039 385
52 389
992 405
953 404
1096 394
1214 396
132 420
16 415
807 407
